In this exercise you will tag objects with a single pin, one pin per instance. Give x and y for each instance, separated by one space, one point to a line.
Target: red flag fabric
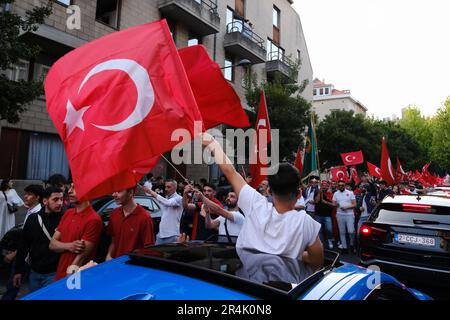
339 173
374 171
259 155
427 176
400 173
216 99
354 175
352 158
387 169
115 103
299 162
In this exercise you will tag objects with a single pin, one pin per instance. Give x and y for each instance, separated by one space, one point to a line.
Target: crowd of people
61 234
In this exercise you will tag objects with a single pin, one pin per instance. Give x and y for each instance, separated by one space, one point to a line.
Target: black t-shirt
35 243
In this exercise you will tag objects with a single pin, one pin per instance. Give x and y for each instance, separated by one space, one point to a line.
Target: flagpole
186 180
315 139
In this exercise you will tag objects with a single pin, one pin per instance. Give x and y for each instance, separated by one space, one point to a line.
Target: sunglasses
341 185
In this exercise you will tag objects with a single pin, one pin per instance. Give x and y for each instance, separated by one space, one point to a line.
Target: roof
319 84
412 199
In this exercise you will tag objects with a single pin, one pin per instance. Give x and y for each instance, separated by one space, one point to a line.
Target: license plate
417 240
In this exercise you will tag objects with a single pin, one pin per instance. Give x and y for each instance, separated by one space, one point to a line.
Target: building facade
327 99
268 33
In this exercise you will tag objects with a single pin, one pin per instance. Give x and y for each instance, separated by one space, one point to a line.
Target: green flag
311 157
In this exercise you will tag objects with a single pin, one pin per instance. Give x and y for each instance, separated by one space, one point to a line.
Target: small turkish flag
352 158
259 157
374 171
339 173
116 102
387 169
354 175
216 99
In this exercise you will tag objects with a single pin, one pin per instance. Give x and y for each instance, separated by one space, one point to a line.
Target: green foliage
343 131
288 111
15 95
440 145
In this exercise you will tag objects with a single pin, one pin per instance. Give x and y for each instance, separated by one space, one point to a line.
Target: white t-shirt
344 199
234 227
265 230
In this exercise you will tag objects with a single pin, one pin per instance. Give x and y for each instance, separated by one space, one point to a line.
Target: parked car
409 237
106 204
200 270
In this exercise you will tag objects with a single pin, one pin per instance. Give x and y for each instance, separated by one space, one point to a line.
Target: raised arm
214 207
225 164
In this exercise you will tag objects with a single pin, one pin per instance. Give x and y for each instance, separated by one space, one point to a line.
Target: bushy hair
285 183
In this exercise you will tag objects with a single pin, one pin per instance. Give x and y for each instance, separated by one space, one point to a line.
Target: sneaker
340 246
330 244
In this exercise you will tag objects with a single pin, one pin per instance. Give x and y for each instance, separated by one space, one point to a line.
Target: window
299 56
315 92
108 12
64 2
40 72
18 71
228 69
239 6
327 90
321 91
276 17
274 52
194 39
230 15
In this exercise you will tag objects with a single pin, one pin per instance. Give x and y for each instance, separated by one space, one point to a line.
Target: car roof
250 272
414 199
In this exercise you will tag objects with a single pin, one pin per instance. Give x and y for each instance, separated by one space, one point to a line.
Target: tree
343 131
288 110
17 94
440 145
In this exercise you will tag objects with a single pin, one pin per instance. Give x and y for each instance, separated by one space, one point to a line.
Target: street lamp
242 63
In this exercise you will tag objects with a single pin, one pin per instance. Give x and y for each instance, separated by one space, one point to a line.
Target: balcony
200 16
244 43
278 65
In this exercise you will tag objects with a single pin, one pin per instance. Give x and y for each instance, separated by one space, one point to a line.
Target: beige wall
324 107
135 12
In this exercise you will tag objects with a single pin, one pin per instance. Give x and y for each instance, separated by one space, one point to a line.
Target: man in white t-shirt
274 228
345 201
230 219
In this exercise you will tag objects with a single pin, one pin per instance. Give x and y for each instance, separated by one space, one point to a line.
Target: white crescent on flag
144 103
352 158
378 170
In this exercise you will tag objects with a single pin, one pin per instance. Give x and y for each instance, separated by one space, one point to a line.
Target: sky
389 53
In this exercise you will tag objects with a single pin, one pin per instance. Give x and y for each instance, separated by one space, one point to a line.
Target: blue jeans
11 291
38 280
159 240
326 232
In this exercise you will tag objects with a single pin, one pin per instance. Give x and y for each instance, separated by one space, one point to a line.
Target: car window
147 203
390 291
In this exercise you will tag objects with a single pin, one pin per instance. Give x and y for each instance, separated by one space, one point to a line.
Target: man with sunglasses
344 200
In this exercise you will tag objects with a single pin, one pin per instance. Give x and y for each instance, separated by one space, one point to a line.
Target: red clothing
134 231
85 225
196 224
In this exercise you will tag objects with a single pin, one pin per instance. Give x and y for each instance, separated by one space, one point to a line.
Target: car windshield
255 273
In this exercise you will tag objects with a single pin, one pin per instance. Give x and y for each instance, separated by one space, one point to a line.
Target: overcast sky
389 53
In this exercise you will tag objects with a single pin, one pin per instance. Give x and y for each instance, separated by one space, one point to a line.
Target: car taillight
367 230
421 208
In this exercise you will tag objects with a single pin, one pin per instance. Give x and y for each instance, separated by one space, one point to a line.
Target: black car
106 204
409 237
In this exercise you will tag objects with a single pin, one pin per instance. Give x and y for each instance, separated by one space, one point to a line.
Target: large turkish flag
216 99
115 103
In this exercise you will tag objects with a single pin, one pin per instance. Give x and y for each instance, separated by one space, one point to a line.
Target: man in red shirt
76 236
130 225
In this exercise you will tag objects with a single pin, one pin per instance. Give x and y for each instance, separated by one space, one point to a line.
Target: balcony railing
200 16
247 32
278 63
281 56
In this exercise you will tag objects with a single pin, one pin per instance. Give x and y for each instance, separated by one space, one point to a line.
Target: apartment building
327 99
268 33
